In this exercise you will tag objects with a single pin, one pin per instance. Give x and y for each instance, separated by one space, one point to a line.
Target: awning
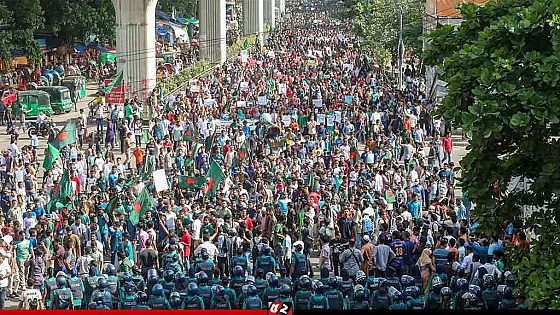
187 20
179 32
80 48
162 16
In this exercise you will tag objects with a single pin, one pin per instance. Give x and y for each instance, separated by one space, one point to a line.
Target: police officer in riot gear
103 293
266 262
193 300
380 298
359 302
303 294
490 296
415 301
333 294
158 301
62 298
433 300
272 293
252 302
128 299
220 301
318 301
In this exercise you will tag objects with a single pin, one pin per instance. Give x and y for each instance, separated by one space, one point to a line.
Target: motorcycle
44 131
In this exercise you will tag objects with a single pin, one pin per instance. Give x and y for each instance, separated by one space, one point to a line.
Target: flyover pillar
136 45
281 4
212 36
253 11
269 13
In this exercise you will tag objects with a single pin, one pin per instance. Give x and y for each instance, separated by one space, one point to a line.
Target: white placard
261 100
270 53
286 120
318 103
160 180
241 103
347 67
282 89
244 56
209 102
195 89
244 86
321 119
338 116
330 120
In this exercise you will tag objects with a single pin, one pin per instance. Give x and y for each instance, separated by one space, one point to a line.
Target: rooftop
447 8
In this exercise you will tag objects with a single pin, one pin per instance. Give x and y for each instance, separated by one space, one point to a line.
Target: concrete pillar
136 45
213 30
281 4
269 14
253 18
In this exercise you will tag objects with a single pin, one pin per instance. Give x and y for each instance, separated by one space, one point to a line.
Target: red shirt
447 144
186 238
249 223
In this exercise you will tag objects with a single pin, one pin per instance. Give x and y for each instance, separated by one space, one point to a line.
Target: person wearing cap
367 254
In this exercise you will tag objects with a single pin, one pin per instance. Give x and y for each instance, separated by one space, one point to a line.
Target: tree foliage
502 68
377 23
79 21
25 17
184 8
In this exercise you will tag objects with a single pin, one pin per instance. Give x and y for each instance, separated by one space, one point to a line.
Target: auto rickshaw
32 103
60 98
76 85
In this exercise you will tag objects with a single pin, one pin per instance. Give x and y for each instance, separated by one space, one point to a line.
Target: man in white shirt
5 274
31 299
195 232
467 261
210 248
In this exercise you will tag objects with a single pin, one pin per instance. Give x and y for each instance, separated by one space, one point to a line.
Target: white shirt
4 271
28 296
211 248
196 225
467 261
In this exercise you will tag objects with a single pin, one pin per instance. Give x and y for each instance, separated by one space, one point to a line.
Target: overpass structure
136 38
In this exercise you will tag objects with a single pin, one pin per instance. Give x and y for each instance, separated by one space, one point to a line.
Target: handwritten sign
286 120
318 103
244 86
160 180
261 100
330 119
244 56
282 89
321 119
338 116
209 102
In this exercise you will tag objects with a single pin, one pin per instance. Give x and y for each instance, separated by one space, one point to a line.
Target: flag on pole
66 136
216 176
190 133
243 152
142 204
65 189
311 181
194 154
117 82
191 182
51 154
245 44
146 136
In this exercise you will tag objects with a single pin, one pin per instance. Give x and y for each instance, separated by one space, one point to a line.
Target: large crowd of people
302 148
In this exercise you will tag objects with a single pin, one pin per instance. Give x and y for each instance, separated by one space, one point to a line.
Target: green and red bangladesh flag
191 182
216 176
142 204
190 133
243 152
116 83
193 154
51 154
66 136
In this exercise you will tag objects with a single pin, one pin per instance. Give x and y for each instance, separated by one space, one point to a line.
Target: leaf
520 119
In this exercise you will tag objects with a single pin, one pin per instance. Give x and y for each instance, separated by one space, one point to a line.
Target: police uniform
61 299
128 302
252 303
301 299
77 287
266 263
336 300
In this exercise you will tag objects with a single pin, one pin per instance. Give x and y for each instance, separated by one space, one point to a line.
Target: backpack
28 183
62 299
224 247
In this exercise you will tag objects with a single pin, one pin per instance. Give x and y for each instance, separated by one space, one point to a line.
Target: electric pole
400 50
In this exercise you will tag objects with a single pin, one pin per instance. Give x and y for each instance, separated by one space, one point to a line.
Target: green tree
501 65
5 32
184 8
77 21
27 17
377 23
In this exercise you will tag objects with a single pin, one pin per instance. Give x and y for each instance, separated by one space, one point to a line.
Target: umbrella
59 69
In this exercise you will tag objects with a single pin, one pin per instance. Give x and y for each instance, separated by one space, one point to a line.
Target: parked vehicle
33 102
76 85
60 98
